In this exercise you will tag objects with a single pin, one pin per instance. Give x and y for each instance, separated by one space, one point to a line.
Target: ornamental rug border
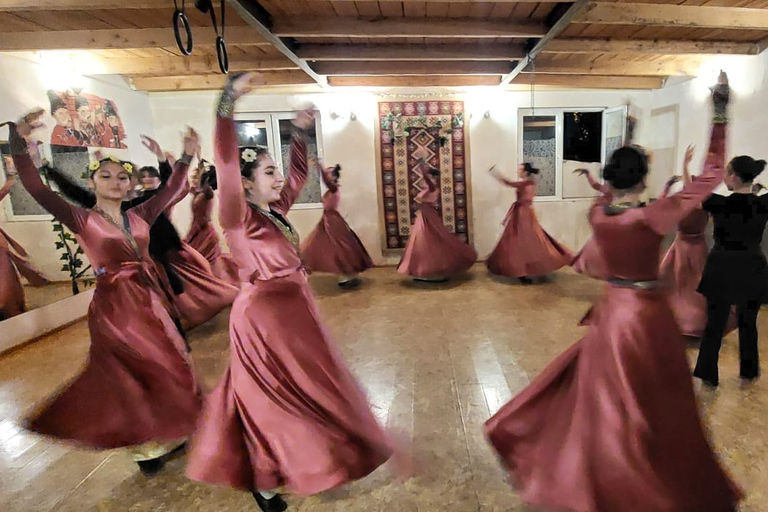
438 126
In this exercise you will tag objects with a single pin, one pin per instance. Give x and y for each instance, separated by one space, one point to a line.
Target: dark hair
747 168
434 172
112 160
151 171
208 179
626 167
530 169
246 168
336 172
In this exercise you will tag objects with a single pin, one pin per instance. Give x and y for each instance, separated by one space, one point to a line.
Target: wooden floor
436 360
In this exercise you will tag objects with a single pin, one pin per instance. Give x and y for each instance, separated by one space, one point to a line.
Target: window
273 131
559 141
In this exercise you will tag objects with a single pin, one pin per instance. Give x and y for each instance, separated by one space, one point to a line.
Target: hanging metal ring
180 20
222 55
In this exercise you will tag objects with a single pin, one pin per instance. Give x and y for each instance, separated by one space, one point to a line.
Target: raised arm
71 189
664 214
297 175
69 215
329 183
154 206
505 181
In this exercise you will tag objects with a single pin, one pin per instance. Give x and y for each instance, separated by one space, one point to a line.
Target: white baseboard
38 322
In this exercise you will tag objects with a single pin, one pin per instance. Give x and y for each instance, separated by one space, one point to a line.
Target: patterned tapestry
438 127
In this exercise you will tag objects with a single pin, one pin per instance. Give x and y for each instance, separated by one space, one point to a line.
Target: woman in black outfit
736 272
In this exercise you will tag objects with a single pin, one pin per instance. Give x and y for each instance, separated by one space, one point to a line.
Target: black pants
718 312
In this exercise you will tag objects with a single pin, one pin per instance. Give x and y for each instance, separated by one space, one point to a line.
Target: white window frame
559 114
272 122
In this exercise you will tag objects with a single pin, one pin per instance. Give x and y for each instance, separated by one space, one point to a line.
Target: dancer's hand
244 83
757 188
671 181
152 145
30 122
581 171
689 151
191 142
170 158
304 118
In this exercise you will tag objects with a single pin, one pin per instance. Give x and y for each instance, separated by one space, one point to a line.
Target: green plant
397 127
71 255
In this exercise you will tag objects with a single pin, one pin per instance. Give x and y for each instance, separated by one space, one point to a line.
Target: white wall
23 85
351 143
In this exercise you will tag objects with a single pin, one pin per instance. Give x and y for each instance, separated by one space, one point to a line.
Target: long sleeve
71 190
154 206
596 185
69 215
663 215
165 170
297 175
430 195
514 184
231 193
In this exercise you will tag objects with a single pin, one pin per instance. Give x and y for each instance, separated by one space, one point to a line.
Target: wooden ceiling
338 43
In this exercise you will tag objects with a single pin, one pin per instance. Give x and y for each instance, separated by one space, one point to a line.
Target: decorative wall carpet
438 127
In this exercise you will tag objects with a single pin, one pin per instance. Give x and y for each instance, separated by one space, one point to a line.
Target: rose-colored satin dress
287 411
611 425
138 384
14 260
525 249
589 261
204 239
333 246
432 249
681 269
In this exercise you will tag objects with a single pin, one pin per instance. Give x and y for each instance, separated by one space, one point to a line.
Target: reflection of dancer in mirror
138 388
525 250
288 411
684 262
202 235
612 423
197 293
588 261
14 260
333 247
433 253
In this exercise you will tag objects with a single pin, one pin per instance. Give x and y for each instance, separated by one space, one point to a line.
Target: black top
736 269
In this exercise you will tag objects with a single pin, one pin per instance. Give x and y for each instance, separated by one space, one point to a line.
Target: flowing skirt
681 268
611 425
205 295
525 249
138 384
288 411
204 239
432 250
14 261
589 261
334 248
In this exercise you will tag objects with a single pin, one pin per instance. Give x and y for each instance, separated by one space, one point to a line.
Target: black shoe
275 504
151 467
350 284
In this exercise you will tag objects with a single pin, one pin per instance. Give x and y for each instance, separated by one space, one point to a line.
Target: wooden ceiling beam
617 67
668 15
180 66
592 81
412 81
410 52
575 45
120 39
318 26
412 68
83 5
213 82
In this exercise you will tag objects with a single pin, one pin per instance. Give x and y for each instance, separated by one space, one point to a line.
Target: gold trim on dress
129 236
286 228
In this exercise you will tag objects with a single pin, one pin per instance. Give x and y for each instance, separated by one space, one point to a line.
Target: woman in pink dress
202 235
138 388
287 410
525 250
612 424
683 266
433 253
14 260
333 247
588 261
